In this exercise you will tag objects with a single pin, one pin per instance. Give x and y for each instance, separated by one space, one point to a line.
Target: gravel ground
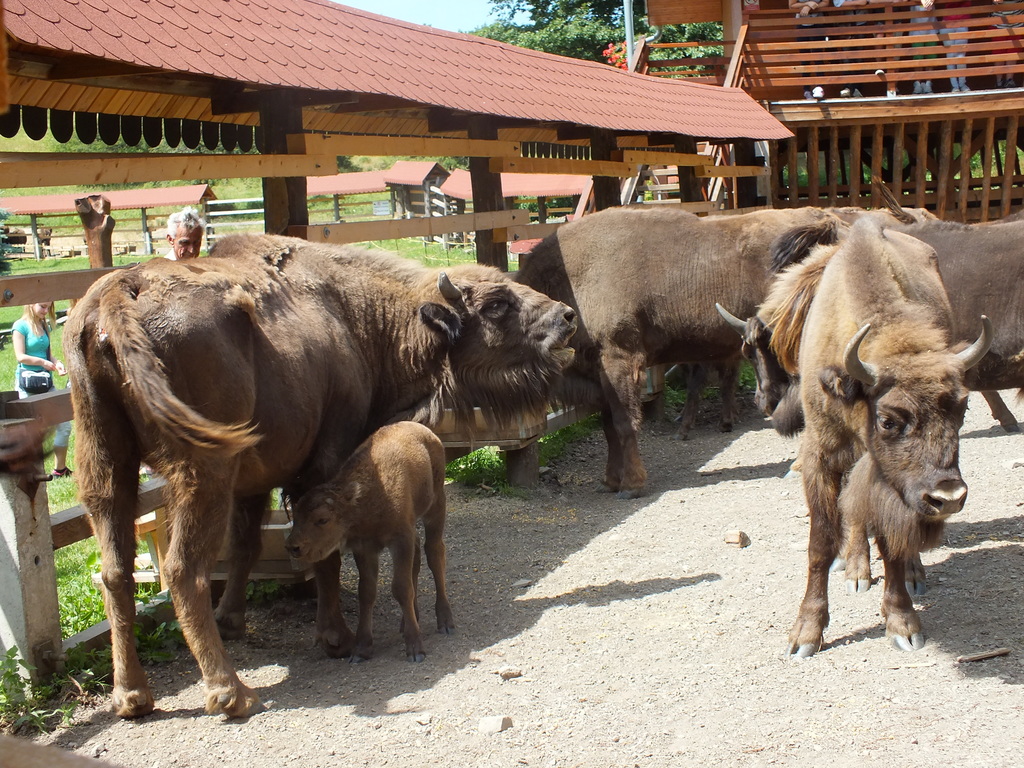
632 634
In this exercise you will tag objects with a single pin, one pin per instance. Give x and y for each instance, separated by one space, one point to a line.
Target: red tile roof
519 185
354 183
156 197
321 45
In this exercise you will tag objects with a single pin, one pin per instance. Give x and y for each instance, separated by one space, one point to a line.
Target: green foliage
257 592
553 446
24 705
483 467
161 644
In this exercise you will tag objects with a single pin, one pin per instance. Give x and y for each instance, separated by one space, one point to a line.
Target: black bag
35 382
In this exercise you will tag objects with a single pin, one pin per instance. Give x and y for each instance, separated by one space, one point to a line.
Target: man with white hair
185 231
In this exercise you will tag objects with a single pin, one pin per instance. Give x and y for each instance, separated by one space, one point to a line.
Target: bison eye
890 425
496 308
321 521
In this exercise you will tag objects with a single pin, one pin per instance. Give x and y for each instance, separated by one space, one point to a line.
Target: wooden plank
701 206
877 153
391 146
641 157
813 171
730 171
19 174
51 408
920 185
53 286
1009 165
833 164
530 231
965 167
554 165
394 229
945 167
856 171
897 161
986 167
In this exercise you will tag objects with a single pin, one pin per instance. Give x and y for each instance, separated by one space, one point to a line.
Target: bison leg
917 584
620 384
244 545
696 378
1000 411
404 554
332 633
858 558
368 564
192 553
728 381
433 544
821 487
902 624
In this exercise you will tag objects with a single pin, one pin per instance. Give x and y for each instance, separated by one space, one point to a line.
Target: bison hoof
857 587
804 651
417 657
839 564
335 646
727 427
916 588
238 701
630 493
1014 427
913 643
132 703
231 626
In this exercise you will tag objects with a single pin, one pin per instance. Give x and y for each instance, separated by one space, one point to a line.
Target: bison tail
144 374
786 307
793 245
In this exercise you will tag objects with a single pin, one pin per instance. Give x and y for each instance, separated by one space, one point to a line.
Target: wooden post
284 199
606 188
542 210
94 211
522 466
746 188
690 188
147 236
29 612
486 196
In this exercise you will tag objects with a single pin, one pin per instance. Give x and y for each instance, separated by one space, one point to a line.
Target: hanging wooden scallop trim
85 127
62 125
191 133
109 128
211 134
152 131
258 135
245 138
33 120
172 131
10 123
228 136
131 130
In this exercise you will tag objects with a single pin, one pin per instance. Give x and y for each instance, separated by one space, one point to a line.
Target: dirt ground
632 634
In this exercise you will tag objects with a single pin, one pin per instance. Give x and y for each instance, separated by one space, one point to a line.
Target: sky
452 15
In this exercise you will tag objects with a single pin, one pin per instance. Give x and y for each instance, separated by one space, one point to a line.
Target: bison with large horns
883 393
644 281
265 365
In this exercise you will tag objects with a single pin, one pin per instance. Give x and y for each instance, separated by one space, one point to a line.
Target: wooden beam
877 154
965 167
1009 164
487 195
81 68
530 231
21 174
986 168
390 146
285 202
920 186
737 171
424 226
236 102
642 157
48 286
551 165
813 172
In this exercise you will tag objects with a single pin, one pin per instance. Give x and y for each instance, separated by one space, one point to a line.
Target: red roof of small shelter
155 197
354 183
459 185
320 45
412 173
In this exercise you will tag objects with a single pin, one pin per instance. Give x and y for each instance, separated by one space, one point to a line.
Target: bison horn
737 325
448 290
861 371
973 354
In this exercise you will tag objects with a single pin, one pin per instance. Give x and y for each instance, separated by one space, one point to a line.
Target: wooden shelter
888 106
309 78
415 188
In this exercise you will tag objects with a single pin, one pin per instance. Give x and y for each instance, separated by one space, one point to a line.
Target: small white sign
381 207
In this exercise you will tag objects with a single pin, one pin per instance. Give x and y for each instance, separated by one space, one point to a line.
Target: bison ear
839 384
443 320
350 494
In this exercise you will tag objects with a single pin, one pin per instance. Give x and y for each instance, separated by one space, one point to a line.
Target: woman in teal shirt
33 351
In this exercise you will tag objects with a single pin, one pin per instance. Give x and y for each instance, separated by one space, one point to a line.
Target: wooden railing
878 50
701 68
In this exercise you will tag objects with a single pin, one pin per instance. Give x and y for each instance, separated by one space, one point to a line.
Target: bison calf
393 479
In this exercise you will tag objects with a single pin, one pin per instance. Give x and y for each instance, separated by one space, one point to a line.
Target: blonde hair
38 324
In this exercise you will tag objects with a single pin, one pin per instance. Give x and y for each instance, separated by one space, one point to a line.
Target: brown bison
868 325
644 281
265 365
394 478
